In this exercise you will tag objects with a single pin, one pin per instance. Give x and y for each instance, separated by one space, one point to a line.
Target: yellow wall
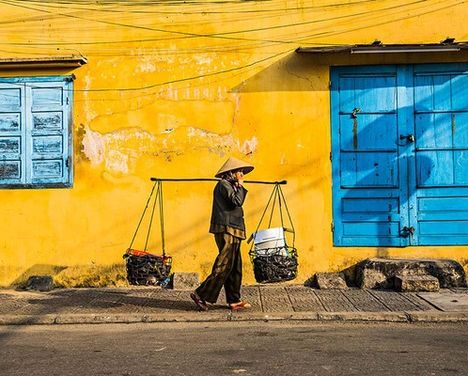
172 91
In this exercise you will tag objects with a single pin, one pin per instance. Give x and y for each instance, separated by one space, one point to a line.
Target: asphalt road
242 348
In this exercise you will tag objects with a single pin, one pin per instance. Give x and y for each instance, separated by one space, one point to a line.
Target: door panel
366 171
441 155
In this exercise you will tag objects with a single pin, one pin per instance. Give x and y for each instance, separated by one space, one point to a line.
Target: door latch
407 231
355 112
409 138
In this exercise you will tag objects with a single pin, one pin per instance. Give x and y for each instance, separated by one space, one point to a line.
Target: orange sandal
240 305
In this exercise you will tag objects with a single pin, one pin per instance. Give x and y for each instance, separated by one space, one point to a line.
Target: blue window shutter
35 132
12 134
48 134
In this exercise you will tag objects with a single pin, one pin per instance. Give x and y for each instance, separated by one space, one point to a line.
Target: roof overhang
380 48
72 61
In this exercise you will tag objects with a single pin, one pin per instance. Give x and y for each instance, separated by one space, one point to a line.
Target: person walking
228 226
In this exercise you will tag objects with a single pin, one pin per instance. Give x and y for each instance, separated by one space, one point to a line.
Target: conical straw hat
234 164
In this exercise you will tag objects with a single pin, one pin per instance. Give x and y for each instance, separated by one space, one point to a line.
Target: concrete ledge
363 316
434 316
67 319
27 319
273 316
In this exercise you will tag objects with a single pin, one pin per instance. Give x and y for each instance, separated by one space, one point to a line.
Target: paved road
260 348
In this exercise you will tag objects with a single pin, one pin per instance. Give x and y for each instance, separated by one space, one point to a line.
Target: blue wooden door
370 204
399 153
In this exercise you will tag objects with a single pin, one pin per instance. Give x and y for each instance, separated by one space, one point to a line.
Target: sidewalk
269 302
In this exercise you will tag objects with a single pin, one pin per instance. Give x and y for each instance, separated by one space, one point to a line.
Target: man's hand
239 177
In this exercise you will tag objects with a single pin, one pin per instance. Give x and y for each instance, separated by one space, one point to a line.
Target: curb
400 317
437 316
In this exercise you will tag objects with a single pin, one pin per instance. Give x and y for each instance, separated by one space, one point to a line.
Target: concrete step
416 283
326 281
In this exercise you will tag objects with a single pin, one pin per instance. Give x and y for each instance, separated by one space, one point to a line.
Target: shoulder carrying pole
215 179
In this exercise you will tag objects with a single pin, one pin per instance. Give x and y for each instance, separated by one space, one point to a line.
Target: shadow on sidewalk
33 306
116 301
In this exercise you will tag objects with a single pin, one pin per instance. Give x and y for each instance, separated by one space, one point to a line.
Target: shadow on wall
76 276
310 72
291 73
35 270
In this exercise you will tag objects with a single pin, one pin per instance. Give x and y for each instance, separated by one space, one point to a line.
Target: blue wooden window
35 134
400 155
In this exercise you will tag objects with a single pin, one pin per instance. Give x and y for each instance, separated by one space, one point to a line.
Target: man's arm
236 197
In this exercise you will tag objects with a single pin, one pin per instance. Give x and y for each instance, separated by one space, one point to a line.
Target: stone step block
40 283
185 281
379 273
416 283
325 281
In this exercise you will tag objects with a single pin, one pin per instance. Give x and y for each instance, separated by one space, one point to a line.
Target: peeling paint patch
146 66
120 150
203 59
89 114
117 161
215 143
93 146
249 146
114 148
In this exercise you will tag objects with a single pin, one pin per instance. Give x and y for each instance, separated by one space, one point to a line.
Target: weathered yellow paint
171 90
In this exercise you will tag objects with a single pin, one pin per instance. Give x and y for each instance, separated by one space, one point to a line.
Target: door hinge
332 227
68 100
329 84
68 162
331 156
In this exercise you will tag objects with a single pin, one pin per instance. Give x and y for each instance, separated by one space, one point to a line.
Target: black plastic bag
275 267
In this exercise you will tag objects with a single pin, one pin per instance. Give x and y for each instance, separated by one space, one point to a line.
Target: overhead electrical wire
263 44
215 49
207 12
221 35
249 65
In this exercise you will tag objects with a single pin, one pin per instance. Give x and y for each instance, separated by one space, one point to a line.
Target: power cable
204 12
223 35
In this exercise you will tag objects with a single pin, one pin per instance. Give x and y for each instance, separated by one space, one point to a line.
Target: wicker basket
144 268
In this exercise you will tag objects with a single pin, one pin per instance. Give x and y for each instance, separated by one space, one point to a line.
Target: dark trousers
227 271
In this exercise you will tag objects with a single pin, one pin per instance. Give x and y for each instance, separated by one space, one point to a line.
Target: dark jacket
227 205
